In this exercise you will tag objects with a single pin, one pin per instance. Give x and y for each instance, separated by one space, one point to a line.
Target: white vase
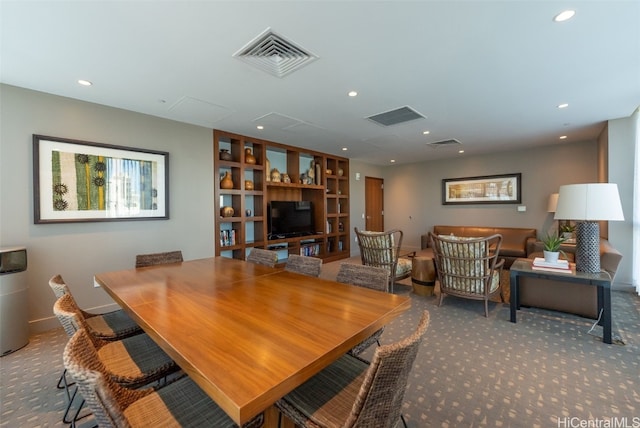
551 256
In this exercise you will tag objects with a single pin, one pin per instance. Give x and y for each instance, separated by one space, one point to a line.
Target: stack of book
561 266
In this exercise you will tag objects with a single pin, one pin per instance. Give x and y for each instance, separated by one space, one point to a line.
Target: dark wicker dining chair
179 403
352 392
113 325
368 277
132 362
143 260
263 257
303 264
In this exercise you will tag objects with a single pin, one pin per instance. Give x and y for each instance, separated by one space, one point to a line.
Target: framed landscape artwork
81 181
487 189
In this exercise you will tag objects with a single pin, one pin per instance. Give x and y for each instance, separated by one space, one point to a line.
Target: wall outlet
522 208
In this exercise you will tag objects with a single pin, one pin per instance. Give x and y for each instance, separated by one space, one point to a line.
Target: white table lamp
587 204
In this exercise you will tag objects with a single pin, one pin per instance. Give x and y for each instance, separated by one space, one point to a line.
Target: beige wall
417 188
623 135
78 250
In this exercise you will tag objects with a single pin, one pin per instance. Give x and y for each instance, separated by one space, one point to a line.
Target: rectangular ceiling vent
443 143
394 117
274 54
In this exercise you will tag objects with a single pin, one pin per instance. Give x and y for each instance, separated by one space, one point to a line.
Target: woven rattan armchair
143 260
179 403
468 267
368 277
263 257
303 264
354 393
382 249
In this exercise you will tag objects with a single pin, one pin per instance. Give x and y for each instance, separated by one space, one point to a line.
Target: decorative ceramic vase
248 213
275 175
248 185
268 168
329 172
225 155
249 157
318 177
227 181
340 172
227 211
285 178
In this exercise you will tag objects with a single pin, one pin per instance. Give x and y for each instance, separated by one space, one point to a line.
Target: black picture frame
82 181
485 189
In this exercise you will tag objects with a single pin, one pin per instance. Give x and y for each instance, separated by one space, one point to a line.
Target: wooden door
374 204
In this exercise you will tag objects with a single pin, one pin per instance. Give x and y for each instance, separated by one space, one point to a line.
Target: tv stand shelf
296 185
317 177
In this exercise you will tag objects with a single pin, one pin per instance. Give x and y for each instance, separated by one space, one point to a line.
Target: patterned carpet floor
471 371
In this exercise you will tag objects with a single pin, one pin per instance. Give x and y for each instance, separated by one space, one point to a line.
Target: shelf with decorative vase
252 165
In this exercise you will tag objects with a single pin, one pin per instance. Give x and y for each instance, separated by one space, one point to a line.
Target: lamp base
588 247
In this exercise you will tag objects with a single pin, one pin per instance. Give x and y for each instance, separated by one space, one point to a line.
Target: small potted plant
567 230
551 248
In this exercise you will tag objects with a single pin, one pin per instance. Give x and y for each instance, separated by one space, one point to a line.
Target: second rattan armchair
382 249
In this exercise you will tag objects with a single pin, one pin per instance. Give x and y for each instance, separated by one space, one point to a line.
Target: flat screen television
290 218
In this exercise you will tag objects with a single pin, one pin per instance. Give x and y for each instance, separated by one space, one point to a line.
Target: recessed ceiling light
84 82
564 105
461 151
563 137
392 161
426 132
353 94
564 15
260 127
344 149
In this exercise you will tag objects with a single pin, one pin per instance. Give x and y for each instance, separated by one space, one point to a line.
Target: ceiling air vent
394 117
443 143
274 54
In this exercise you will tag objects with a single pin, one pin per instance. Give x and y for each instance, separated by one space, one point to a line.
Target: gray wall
78 250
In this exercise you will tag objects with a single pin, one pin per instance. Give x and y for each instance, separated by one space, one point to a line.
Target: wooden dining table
248 334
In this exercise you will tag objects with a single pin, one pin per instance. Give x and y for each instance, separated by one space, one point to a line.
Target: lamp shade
589 202
553 203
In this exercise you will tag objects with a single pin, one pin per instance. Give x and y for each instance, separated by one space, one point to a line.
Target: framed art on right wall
486 189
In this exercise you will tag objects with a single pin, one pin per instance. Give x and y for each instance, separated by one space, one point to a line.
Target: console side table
602 280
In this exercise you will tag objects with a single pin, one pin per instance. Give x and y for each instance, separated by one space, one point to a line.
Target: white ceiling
487 73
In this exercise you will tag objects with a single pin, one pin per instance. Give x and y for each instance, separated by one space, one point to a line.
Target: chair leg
486 308
403 421
441 297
